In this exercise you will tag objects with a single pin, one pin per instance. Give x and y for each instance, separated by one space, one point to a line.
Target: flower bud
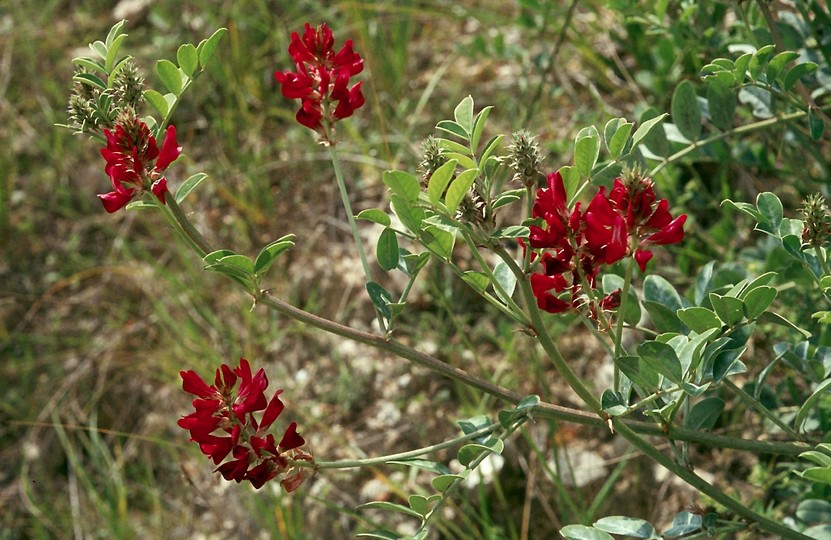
524 158
817 221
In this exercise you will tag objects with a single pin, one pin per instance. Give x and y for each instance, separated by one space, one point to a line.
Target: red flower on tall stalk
574 245
135 163
223 424
321 79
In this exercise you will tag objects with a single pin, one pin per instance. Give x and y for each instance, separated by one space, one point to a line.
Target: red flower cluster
222 409
322 77
576 243
134 159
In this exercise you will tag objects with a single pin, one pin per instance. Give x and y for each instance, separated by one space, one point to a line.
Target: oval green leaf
685 112
386 252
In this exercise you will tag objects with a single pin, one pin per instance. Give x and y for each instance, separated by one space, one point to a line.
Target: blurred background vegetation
98 312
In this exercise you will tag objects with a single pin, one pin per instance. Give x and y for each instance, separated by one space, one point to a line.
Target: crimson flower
223 425
575 244
135 163
321 79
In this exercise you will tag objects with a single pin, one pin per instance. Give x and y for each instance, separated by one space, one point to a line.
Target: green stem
519 314
368 462
703 486
350 216
624 299
529 211
545 340
186 228
723 135
764 411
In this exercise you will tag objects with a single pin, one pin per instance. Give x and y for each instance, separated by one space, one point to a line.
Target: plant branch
723 135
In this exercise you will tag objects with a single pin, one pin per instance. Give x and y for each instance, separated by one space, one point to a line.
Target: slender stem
764 411
624 299
723 135
545 340
519 314
344 195
367 462
703 486
529 211
186 228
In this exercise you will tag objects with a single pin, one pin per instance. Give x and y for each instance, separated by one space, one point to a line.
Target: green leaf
453 128
206 47
685 112
729 309
170 75
683 523
820 393
490 147
814 511
727 363
721 101
392 507
269 253
157 101
422 464
241 262
639 528
658 289
438 240
742 63
823 460
640 373
745 208
439 181
139 205
376 216
479 126
699 319
464 160
99 48
586 150
613 403
403 184
115 32
90 64
189 185
410 216
458 189
386 252
422 504
512 231
619 139
506 279
463 114
775 318
661 358
664 318
188 59
582 532
214 256
797 72
90 80
478 280
817 474
380 298
410 264
441 483
758 300
646 128
470 452
474 424
571 179
777 65
112 53
759 61
704 414
770 207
